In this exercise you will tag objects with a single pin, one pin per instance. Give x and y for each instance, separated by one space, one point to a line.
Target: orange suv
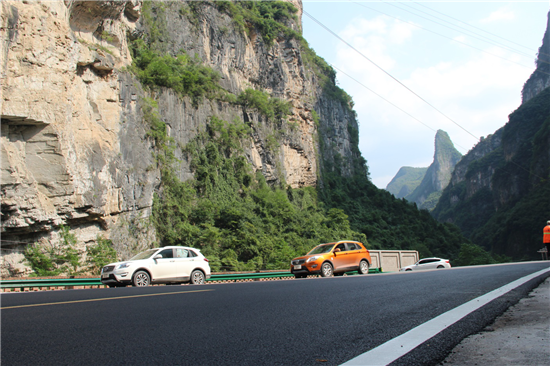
332 259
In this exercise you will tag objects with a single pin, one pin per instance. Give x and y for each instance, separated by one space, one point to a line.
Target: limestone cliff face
75 149
540 79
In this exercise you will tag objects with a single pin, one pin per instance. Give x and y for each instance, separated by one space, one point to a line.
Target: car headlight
123 265
313 259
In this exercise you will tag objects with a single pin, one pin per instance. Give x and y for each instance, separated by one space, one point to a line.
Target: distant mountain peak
424 185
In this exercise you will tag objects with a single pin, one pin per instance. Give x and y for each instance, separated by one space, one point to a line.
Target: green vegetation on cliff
183 74
233 216
268 17
62 258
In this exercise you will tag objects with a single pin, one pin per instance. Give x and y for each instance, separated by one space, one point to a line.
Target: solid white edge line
399 346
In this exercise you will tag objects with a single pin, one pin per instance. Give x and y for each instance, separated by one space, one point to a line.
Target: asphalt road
316 321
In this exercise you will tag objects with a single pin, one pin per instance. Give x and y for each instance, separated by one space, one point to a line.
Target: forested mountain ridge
405 181
209 124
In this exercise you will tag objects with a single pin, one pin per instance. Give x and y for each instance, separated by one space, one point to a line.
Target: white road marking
399 346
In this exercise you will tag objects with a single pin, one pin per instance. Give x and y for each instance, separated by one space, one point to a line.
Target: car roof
176 246
341 241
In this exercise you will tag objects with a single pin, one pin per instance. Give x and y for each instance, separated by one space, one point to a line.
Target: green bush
472 255
185 75
268 17
60 258
272 108
100 254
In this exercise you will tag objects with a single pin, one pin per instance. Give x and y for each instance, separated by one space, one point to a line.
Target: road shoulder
518 337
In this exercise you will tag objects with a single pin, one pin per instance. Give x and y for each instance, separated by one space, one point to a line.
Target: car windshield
320 249
144 255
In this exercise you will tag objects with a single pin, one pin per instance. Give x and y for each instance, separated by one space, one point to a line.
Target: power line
391 76
449 38
481 29
473 34
391 103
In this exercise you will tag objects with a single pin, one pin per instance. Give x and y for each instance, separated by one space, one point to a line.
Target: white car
427 263
160 265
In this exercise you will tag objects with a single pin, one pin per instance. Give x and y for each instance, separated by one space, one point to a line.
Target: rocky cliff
499 192
428 187
76 149
540 79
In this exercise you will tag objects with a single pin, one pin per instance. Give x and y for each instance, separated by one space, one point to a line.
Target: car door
340 258
431 264
185 259
164 268
353 255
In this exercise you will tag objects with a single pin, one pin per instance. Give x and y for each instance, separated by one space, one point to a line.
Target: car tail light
447 262
206 259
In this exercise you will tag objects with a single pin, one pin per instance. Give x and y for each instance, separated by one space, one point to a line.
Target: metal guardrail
69 283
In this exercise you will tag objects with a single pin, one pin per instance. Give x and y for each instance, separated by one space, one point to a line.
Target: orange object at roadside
332 259
546 235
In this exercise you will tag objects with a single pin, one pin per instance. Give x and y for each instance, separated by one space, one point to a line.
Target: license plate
298 267
105 275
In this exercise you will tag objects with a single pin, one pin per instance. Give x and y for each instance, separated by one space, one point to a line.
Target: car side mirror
158 256
337 250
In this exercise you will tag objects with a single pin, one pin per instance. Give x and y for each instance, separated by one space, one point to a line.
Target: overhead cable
473 34
449 38
481 29
389 102
390 75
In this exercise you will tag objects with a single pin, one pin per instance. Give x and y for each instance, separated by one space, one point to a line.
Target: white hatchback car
428 263
159 265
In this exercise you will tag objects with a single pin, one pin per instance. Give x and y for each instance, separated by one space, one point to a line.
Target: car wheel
326 270
197 277
141 279
408 269
363 267
440 267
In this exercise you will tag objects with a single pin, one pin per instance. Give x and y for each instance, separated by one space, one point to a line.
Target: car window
341 246
320 249
144 255
182 253
192 254
353 246
167 253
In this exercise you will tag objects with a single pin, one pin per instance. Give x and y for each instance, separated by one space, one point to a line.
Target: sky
414 67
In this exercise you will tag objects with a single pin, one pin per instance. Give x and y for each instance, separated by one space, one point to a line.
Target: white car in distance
173 264
427 263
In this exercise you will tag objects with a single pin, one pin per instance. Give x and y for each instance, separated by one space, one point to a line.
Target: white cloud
498 15
474 89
